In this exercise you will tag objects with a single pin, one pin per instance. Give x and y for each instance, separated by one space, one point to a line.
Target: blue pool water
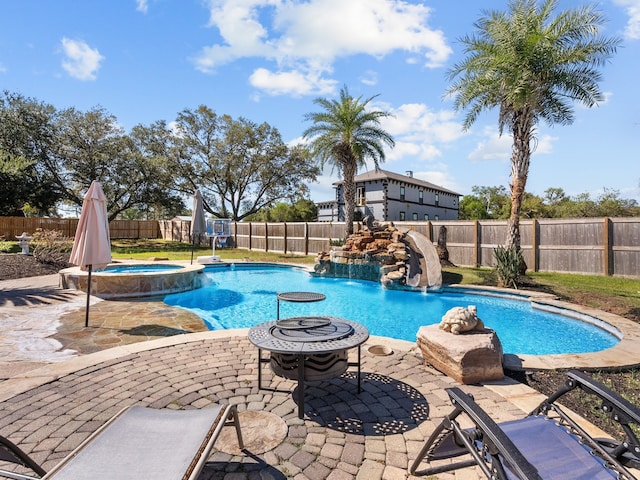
244 296
140 268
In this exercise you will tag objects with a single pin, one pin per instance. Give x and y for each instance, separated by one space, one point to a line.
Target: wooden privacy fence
296 237
599 246
10 227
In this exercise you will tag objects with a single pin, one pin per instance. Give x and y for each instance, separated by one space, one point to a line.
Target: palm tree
532 66
346 134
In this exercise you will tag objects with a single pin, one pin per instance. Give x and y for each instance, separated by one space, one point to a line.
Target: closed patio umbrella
91 245
198 222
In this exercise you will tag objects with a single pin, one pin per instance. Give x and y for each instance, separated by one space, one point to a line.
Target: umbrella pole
86 314
193 246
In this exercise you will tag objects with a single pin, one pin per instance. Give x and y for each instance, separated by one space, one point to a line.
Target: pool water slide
424 262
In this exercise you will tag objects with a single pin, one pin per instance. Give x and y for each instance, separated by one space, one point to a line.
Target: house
389 196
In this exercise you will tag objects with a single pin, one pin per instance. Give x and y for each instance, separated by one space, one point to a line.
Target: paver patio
52 398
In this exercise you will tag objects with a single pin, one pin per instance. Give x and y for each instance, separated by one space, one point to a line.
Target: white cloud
632 7
419 132
81 61
303 39
417 120
496 147
3 69
142 6
413 150
440 177
295 83
369 78
544 145
493 147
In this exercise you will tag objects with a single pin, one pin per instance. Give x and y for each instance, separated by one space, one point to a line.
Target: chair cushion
554 451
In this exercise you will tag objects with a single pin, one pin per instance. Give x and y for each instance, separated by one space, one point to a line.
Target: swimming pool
241 296
140 268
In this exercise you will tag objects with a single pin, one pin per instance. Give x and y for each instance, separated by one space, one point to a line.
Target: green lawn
146 249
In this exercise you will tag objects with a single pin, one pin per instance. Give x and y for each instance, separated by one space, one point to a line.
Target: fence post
266 236
285 238
306 238
607 247
476 243
535 244
250 235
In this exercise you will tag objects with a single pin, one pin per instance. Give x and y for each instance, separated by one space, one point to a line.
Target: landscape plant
345 134
531 65
239 166
509 263
7 246
51 247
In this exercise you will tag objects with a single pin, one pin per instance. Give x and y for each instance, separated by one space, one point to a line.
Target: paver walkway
344 435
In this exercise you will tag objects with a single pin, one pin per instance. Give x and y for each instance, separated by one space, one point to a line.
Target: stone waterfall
380 252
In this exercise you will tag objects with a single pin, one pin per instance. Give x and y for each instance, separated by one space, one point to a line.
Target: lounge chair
546 444
137 443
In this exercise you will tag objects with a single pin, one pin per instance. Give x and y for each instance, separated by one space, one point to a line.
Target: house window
426 216
421 197
414 216
436 217
361 200
402 194
402 216
437 199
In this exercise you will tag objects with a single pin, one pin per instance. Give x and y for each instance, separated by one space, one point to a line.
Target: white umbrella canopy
198 220
91 245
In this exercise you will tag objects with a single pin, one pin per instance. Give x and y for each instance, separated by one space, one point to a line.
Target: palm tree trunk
349 195
513 234
522 127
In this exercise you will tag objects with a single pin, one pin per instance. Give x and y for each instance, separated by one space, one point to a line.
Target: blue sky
267 60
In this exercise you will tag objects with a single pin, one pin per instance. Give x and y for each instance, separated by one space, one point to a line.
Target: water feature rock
378 245
395 276
400 255
386 269
473 357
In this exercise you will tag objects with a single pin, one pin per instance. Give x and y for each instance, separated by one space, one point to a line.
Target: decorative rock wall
378 253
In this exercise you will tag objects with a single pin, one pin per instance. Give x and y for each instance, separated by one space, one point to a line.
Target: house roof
385 174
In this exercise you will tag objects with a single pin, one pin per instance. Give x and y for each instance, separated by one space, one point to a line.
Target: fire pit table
308 349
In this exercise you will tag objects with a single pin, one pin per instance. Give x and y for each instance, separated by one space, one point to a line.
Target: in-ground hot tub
122 280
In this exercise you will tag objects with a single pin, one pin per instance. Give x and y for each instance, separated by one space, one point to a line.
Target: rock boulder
471 357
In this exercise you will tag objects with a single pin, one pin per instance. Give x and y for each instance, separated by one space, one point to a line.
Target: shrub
509 264
7 246
51 247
